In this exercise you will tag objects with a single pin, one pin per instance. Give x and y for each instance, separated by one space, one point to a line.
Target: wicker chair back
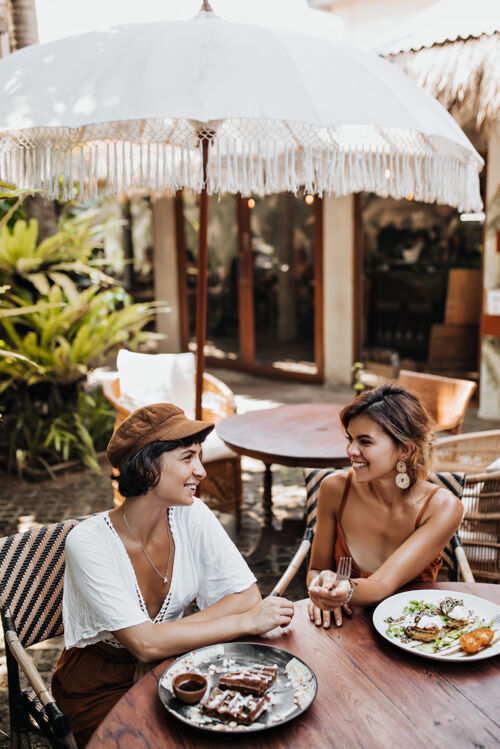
453 481
31 581
445 398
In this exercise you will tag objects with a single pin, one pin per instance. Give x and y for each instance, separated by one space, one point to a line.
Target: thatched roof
464 75
18 19
7 21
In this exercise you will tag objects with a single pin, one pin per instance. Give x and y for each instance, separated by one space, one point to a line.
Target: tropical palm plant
60 316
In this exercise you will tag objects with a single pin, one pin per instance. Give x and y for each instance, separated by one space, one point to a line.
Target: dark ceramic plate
287 701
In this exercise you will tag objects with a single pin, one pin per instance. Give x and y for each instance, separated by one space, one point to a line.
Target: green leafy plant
48 425
60 316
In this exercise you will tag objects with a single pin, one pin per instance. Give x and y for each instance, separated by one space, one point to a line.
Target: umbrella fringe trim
247 167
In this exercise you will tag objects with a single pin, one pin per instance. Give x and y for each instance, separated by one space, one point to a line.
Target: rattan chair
445 398
472 452
222 488
480 528
454 558
31 588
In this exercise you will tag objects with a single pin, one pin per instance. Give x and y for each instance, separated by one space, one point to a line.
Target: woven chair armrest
57 719
474 478
470 437
478 542
482 516
28 667
462 561
292 568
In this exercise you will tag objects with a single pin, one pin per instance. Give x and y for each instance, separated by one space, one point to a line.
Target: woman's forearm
235 603
151 641
154 641
367 590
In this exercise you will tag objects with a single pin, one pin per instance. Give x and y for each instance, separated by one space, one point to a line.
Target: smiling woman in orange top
383 512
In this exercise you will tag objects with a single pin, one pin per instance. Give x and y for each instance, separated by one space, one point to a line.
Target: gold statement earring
402 478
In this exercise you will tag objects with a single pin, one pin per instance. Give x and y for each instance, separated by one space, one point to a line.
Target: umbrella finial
206 7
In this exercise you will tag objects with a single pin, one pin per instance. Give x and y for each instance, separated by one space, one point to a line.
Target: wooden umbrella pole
201 286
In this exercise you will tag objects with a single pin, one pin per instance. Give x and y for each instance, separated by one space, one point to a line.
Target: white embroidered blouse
101 593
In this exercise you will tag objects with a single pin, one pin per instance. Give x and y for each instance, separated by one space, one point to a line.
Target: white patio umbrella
215 107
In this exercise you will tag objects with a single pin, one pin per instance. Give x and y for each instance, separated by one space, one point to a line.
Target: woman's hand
270 613
327 596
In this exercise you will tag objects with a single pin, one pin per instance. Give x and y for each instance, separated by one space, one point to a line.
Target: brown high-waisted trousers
88 682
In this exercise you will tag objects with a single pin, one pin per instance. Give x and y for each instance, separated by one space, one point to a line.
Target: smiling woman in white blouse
131 572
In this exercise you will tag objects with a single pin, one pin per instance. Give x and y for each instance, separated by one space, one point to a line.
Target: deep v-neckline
356 569
166 601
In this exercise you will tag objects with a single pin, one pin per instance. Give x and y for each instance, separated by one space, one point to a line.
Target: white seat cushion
165 378
215 449
495 466
157 378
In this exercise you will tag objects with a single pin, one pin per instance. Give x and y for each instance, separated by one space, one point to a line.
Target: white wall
165 274
489 397
370 22
338 288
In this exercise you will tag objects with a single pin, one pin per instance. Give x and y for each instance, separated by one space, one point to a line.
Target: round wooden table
371 695
308 435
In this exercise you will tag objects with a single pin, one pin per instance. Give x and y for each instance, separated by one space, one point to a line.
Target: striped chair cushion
313 478
31 581
452 481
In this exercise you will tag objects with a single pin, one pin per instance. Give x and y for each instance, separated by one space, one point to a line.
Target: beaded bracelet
351 592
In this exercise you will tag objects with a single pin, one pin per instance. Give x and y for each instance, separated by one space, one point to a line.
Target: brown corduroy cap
160 421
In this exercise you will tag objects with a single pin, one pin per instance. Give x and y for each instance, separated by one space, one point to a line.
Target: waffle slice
234 706
251 680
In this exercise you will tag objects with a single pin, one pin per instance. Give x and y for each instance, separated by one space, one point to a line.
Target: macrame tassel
294 186
244 172
210 177
200 175
275 168
173 185
331 159
53 171
148 166
252 186
96 172
165 182
27 165
123 167
320 183
230 185
260 170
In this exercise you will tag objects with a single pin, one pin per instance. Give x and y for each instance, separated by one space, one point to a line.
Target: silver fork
344 568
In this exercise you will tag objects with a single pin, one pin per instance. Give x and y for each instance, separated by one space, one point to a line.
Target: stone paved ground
81 492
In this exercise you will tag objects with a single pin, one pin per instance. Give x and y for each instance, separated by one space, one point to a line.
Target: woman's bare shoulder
443 501
332 487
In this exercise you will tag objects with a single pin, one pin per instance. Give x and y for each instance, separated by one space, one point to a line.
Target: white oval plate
394 606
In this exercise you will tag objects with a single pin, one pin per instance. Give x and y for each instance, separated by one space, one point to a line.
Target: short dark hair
402 416
141 471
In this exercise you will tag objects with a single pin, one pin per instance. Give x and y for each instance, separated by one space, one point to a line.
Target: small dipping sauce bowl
189 688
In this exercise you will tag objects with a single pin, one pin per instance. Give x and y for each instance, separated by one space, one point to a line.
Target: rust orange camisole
428 575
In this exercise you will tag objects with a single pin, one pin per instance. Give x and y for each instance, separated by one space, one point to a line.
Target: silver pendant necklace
153 565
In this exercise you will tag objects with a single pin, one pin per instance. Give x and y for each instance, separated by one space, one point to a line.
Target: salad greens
396 627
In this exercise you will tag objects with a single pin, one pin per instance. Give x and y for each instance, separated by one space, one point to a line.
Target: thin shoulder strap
344 495
424 506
